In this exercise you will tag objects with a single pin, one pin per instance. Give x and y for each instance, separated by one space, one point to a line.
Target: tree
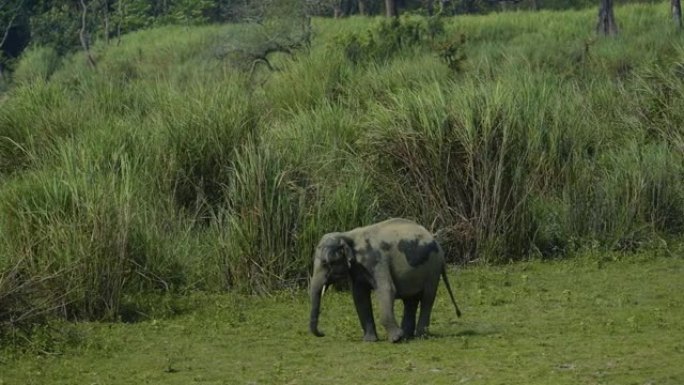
275 26
677 13
83 33
390 8
362 7
606 25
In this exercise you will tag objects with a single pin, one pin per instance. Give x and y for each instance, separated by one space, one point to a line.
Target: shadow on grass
145 307
473 331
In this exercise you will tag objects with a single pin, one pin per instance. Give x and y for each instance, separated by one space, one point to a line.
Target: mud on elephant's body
398 259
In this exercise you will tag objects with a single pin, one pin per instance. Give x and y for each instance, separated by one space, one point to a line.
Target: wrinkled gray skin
398 259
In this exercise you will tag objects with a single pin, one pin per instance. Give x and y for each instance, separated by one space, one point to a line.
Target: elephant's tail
451 294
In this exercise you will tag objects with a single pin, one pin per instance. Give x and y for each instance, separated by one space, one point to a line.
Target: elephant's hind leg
426 303
408 322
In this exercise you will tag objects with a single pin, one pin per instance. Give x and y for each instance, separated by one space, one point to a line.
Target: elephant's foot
370 337
421 333
395 335
408 333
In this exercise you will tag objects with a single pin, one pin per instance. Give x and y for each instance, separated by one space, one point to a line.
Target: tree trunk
430 7
347 7
606 25
390 8
337 11
106 21
362 7
677 13
119 21
82 34
444 3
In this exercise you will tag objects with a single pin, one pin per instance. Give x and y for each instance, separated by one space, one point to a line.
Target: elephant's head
332 260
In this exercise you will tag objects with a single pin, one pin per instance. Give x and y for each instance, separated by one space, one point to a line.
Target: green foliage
452 53
386 39
401 36
189 11
166 169
57 27
57 23
132 15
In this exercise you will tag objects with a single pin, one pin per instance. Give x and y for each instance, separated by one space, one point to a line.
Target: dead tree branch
249 56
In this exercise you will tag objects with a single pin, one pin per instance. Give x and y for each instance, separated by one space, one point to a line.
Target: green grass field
587 321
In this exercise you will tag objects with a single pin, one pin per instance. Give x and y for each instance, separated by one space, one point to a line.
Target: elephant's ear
347 251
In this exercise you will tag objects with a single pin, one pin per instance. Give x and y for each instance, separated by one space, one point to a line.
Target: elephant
398 259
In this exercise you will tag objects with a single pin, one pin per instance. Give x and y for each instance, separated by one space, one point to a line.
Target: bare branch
11 22
269 43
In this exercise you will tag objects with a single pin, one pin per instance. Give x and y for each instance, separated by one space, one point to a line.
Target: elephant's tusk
325 287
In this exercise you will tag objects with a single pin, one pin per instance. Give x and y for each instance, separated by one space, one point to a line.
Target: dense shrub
386 39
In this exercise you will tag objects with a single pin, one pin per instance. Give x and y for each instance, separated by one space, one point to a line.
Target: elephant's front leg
386 301
364 308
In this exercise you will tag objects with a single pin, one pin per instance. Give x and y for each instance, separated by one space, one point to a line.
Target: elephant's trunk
317 283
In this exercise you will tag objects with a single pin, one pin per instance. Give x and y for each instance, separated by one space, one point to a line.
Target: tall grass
168 168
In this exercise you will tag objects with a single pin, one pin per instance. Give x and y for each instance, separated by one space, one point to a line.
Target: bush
461 166
387 39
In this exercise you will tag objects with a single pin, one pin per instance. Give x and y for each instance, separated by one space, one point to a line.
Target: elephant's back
394 230
387 228
403 240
